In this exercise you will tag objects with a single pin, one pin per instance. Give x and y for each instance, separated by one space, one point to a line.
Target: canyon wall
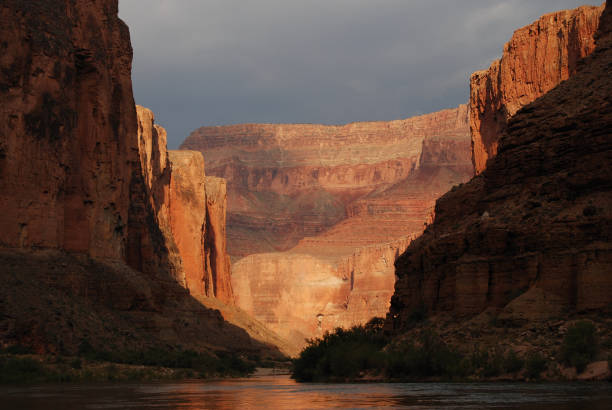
88 251
67 127
341 274
536 59
289 181
301 296
197 225
534 227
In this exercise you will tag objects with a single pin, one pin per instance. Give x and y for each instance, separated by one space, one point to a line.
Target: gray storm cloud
216 62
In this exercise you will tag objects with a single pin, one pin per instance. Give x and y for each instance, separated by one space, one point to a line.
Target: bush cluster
348 354
203 363
580 345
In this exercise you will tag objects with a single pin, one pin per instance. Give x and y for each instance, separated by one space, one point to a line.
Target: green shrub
76 364
580 345
513 363
341 355
535 365
21 370
495 364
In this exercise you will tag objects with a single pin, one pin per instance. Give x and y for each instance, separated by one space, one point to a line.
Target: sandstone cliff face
182 215
150 244
197 224
534 61
188 217
215 244
344 276
286 182
536 221
67 126
300 296
85 188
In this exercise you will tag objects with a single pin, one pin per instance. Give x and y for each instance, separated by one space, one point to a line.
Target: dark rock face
538 217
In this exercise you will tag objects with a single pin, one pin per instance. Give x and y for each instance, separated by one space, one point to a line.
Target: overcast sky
214 62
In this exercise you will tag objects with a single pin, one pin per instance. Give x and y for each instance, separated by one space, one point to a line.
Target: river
280 392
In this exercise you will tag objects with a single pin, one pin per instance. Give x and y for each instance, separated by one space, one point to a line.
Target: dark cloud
212 62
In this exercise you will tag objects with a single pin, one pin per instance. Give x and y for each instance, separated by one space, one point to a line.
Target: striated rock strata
536 222
290 181
86 251
344 276
534 61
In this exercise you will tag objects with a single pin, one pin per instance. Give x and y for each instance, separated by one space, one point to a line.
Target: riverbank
24 368
482 349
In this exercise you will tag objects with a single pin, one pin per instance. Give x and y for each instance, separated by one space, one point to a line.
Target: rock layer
289 181
344 276
537 219
534 61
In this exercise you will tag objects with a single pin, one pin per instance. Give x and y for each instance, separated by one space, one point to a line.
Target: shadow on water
280 392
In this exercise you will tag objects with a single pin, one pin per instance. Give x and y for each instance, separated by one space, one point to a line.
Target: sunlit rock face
290 181
536 59
197 224
370 187
537 220
67 126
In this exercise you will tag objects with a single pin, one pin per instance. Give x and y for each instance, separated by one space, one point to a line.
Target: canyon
340 203
107 237
110 239
529 237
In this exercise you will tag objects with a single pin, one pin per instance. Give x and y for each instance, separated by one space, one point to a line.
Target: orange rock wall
534 61
345 276
217 260
188 217
67 126
289 181
197 224
538 218
301 296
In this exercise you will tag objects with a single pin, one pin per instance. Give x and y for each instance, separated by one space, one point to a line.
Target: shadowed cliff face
536 59
534 227
290 181
86 250
344 275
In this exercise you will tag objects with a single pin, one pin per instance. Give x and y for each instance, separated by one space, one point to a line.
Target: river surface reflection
280 392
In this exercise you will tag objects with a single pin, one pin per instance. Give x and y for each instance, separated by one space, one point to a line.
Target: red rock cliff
197 224
215 243
67 126
536 223
85 188
534 61
289 181
150 246
345 275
